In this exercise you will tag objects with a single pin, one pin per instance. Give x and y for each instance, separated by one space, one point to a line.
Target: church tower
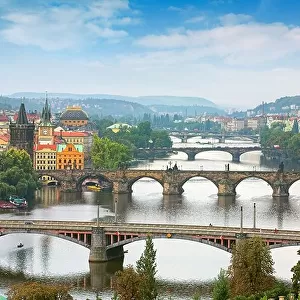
22 132
46 129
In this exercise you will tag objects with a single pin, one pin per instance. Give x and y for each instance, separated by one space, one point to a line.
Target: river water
184 265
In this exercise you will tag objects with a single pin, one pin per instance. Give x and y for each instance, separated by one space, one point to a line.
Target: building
45 157
235 125
118 127
74 116
4 141
69 156
45 128
22 132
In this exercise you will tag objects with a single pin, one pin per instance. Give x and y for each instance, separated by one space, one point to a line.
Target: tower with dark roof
22 132
46 129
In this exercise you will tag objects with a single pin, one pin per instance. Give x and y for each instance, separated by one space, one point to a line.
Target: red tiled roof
41 147
5 137
4 118
72 133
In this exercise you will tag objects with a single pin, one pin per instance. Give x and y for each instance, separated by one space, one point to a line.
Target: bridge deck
126 228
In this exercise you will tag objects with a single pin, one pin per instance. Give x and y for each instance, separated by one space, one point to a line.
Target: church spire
46 113
22 117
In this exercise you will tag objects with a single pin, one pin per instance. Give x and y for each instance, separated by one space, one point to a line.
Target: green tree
38 291
251 269
295 128
221 286
296 276
17 174
146 268
127 284
108 154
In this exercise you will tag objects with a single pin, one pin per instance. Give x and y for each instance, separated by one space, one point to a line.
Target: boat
20 245
17 201
94 188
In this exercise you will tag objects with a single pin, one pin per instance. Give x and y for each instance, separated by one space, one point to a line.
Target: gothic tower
46 129
22 132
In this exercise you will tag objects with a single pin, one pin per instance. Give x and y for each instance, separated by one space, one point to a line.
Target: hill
144 100
286 104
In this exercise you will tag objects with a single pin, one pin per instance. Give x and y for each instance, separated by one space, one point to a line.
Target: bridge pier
98 246
172 188
226 188
280 189
121 187
191 155
68 185
236 156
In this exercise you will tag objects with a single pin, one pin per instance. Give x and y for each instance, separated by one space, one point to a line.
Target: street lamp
116 208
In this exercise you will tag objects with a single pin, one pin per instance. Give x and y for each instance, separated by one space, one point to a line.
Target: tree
296 276
295 128
17 174
127 284
146 268
221 286
38 291
108 154
251 269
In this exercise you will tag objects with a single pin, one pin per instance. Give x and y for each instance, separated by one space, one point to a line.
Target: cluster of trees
288 141
250 275
17 175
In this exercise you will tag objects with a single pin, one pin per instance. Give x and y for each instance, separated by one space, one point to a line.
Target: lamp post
241 228
254 215
116 208
151 152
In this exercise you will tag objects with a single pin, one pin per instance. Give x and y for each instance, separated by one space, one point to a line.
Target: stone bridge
173 180
191 152
106 240
236 152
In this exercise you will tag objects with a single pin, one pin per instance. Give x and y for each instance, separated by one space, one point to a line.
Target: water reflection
55 259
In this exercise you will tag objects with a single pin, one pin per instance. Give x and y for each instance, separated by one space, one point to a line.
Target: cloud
66 25
233 19
196 19
236 44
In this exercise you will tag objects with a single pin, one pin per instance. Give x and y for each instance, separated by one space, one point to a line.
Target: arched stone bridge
191 152
236 152
173 180
106 240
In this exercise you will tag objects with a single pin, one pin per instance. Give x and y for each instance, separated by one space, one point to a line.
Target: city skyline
232 52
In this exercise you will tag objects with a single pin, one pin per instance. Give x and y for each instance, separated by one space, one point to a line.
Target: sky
236 53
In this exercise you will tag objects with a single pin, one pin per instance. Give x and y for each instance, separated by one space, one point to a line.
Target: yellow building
4 142
44 157
69 156
74 116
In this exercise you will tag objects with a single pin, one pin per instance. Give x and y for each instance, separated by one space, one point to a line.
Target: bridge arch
83 178
215 151
48 233
249 151
253 176
198 176
294 183
50 177
176 237
134 180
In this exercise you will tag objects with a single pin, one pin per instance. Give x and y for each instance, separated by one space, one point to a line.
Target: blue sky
234 52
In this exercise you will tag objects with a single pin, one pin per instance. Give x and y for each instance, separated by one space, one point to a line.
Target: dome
74 113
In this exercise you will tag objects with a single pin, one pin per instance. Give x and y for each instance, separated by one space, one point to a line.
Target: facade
45 157
4 142
235 125
69 156
22 132
74 116
45 128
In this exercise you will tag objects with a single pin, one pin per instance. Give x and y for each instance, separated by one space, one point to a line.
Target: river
182 264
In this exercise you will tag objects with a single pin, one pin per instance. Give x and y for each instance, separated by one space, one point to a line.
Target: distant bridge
191 152
185 135
106 240
173 180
